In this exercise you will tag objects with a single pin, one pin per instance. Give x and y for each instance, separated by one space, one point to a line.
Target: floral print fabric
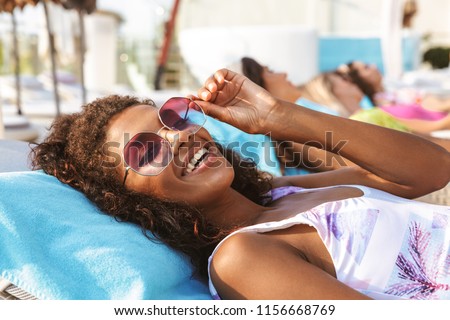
384 246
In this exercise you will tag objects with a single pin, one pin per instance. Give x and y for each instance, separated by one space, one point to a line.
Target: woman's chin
209 184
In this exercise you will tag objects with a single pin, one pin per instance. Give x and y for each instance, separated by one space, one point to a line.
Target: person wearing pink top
406 103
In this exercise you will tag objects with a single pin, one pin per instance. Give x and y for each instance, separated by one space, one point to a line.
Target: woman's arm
297 155
426 126
397 162
434 103
393 161
257 266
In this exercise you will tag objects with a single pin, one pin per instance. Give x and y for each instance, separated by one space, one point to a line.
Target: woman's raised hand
232 98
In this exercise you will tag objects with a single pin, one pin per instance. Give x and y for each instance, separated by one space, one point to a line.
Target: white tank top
381 245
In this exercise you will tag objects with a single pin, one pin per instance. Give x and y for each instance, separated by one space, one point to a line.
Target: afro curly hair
74 153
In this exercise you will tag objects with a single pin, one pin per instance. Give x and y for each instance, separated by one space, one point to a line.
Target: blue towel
55 244
366 103
257 147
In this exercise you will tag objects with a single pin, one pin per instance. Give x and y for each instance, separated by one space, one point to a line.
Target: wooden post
166 45
51 41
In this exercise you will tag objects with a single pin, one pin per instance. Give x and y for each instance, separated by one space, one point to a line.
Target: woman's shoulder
239 246
260 266
242 248
235 253
234 264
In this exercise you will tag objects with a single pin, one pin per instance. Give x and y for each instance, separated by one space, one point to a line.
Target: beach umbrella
82 7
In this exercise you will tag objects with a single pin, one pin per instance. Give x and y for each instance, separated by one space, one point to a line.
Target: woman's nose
175 137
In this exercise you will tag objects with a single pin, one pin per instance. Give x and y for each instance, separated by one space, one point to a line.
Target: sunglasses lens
147 153
182 114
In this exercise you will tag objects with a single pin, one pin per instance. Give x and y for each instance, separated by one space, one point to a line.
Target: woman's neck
233 209
287 93
292 95
350 104
378 87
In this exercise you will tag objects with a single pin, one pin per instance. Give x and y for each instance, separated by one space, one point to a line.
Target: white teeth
198 155
191 165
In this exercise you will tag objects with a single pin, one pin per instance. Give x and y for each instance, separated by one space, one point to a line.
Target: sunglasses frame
198 109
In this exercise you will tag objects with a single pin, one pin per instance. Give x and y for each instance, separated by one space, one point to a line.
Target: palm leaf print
419 273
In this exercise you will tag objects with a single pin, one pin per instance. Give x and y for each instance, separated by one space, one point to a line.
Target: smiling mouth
196 160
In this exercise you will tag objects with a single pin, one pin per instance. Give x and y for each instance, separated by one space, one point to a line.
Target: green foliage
437 57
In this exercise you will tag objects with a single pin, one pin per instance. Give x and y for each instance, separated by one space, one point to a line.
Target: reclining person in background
405 104
335 93
294 158
351 235
278 84
331 93
370 80
346 92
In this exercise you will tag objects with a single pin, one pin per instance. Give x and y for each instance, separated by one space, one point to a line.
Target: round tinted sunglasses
147 153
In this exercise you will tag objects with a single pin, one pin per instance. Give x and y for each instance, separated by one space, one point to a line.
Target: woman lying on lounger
342 234
341 93
332 93
370 80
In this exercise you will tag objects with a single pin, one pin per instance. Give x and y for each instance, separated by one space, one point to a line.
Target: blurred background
56 55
